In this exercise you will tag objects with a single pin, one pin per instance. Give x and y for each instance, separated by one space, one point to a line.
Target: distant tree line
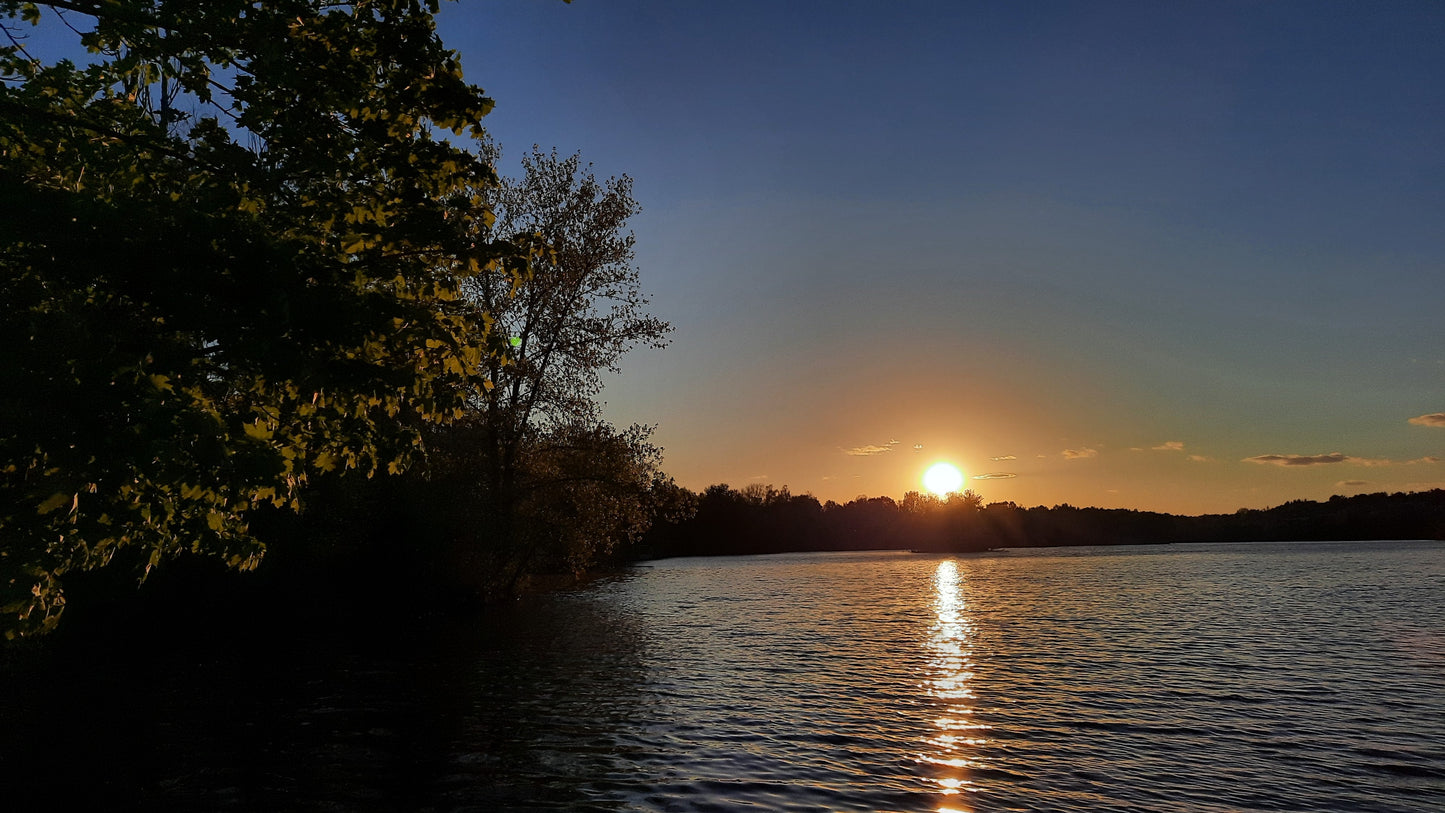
763 519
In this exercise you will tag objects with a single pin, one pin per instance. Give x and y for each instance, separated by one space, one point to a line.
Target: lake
1214 677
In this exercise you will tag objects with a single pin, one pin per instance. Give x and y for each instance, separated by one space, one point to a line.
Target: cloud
1351 483
1298 459
997 475
1003 457
758 477
1199 458
867 451
872 449
918 447
1169 446
1433 419
1080 454
1335 457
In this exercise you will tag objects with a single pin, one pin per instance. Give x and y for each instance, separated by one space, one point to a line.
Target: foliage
583 494
558 486
232 259
582 307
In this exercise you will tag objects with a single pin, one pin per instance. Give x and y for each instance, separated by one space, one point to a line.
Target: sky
1186 257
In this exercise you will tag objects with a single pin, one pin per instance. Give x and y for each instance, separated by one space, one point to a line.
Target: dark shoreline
734 523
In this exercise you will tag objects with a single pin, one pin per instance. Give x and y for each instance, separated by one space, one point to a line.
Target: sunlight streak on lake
950 671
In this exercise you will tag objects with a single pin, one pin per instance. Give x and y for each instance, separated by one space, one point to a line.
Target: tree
232 258
554 474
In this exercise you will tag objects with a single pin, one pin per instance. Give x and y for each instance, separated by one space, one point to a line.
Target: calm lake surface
1147 678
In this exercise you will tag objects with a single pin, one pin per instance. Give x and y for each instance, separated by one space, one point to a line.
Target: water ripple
1159 679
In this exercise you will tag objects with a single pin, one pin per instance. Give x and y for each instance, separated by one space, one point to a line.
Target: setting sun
942 478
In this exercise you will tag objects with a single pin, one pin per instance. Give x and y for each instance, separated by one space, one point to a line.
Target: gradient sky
1115 250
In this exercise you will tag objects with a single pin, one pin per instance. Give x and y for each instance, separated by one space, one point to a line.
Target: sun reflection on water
950 679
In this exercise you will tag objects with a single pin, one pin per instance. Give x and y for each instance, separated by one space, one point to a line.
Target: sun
942 479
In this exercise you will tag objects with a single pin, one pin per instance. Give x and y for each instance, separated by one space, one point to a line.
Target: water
1152 678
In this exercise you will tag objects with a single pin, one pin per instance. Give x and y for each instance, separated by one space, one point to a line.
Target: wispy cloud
758 477
1004 457
1351 483
1169 446
1333 457
918 447
1199 458
868 451
1080 454
1298 459
996 475
1433 419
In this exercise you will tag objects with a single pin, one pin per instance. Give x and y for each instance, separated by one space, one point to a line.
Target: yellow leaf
52 502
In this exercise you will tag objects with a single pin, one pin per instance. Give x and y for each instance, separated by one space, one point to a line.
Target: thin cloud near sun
1169 446
1080 454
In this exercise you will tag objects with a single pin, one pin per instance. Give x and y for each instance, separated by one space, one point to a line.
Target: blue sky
1002 230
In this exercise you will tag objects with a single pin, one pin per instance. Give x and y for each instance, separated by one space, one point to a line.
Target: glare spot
943 479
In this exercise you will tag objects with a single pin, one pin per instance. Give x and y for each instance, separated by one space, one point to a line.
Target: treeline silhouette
764 519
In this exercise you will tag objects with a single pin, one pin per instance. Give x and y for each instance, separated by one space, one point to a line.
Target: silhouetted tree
556 486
